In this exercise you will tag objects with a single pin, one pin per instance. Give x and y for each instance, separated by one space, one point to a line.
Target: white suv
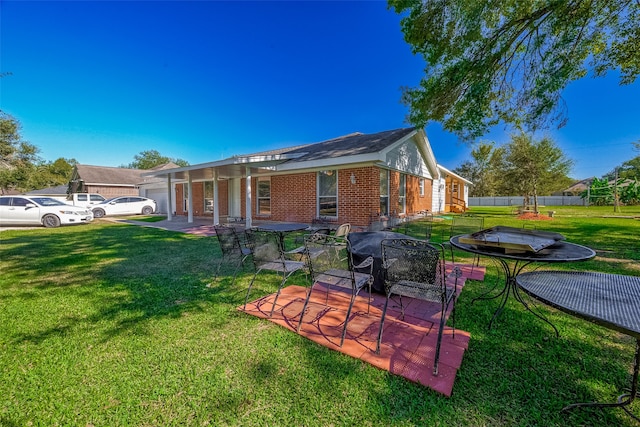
34 210
125 205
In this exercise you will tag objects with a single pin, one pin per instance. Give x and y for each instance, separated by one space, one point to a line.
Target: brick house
352 178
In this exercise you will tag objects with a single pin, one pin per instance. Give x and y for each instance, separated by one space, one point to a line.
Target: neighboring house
156 189
576 188
353 179
113 182
104 180
579 187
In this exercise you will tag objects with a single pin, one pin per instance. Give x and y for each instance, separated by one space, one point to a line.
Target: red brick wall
293 197
357 201
416 202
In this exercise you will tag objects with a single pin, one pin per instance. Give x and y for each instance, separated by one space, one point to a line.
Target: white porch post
169 207
247 214
216 210
190 198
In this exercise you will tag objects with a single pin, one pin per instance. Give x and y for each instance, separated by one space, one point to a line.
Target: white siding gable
407 158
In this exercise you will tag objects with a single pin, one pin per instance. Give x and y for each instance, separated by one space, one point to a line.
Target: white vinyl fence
517 201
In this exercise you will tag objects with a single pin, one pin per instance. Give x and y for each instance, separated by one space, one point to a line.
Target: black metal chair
298 252
415 269
427 221
232 249
465 224
330 263
268 255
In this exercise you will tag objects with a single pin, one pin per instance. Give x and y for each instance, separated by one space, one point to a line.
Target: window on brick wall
421 183
208 196
264 196
328 193
402 194
384 192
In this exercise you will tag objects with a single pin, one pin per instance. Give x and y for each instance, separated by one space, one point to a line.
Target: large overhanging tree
508 61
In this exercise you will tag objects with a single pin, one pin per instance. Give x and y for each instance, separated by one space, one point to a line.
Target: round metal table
282 228
514 263
610 300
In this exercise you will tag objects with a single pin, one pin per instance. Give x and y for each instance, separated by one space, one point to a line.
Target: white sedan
33 210
125 205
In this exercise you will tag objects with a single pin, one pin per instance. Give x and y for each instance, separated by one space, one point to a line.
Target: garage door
160 196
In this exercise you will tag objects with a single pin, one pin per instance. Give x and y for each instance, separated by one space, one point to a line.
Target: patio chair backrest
265 247
414 264
466 224
428 225
229 241
325 254
343 230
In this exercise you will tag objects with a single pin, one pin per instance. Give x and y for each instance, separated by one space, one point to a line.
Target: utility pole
616 201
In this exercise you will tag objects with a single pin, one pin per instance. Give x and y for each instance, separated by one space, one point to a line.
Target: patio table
368 243
282 228
610 300
514 263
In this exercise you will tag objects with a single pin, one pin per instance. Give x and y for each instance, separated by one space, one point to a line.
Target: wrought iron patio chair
465 224
330 264
298 252
415 269
268 255
343 230
427 222
233 250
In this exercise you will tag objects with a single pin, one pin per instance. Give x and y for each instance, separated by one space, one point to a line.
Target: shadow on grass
516 374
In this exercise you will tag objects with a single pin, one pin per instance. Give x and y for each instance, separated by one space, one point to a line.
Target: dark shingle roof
347 145
50 191
350 145
109 175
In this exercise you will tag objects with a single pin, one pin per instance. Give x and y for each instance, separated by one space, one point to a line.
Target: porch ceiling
202 172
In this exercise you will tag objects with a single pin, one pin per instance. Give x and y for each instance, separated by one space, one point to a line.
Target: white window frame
421 184
402 194
208 201
260 198
384 196
326 172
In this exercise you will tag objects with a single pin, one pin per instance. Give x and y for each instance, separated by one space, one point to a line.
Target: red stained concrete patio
408 346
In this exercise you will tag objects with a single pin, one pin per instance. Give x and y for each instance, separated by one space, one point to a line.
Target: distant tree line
524 166
529 168
21 168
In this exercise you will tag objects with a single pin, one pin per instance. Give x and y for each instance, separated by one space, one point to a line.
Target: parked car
35 210
125 205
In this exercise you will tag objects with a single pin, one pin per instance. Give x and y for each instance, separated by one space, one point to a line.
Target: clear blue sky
101 81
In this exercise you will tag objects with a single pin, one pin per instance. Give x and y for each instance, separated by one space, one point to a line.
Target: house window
384 192
421 184
264 196
402 194
208 196
328 193
454 188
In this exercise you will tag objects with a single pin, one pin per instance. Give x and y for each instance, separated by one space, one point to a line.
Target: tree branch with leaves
509 60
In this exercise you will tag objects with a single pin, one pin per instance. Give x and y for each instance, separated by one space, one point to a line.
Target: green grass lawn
111 324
